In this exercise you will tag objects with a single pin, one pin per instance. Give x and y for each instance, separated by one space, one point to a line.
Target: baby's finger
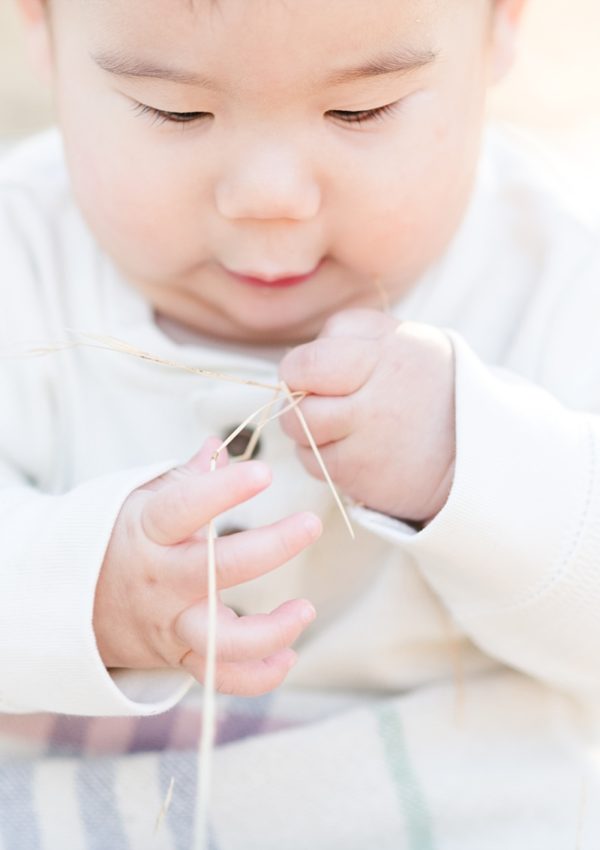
246 678
247 638
249 554
335 366
239 557
334 457
175 512
328 419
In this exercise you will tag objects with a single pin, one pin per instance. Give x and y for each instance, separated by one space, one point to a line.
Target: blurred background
553 93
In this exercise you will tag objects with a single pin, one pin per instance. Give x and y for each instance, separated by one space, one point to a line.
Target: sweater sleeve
52 537
515 552
52 550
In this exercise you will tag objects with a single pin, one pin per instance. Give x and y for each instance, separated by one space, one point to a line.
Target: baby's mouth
281 280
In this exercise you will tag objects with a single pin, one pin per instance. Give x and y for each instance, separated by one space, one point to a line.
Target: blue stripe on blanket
98 805
245 716
152 733
404 776
68 735
18 823
180 819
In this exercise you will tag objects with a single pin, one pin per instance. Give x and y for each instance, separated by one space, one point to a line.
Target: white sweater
505 581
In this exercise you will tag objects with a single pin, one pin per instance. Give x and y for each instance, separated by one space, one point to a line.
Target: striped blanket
295 771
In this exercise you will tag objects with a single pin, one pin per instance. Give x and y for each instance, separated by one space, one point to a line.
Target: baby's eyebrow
125 66
394 62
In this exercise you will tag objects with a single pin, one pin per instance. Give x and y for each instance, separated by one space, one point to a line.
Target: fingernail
313 525
308 614
260 472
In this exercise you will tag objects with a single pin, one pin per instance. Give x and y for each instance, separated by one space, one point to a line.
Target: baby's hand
381 411
151 606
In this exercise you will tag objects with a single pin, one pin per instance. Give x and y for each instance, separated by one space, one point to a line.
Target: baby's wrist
440 495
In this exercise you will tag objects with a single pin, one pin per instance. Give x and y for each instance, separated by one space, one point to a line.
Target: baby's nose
268 182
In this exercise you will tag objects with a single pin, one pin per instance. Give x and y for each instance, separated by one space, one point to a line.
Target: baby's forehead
313 34
228 13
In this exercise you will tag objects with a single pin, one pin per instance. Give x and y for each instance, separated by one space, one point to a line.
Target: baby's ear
506 18
35 15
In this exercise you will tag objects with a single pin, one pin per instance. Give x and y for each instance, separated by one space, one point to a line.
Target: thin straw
207 738
165 806
108 343
320 461
261 424
295 399
112 344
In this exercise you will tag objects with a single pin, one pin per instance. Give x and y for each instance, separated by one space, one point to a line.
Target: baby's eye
160 116
363 116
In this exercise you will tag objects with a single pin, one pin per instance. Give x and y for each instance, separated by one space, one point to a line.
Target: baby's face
217 148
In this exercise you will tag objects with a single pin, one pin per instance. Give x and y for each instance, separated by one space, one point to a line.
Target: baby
297 190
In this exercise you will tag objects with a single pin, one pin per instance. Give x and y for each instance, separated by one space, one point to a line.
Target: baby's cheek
132 217
394 247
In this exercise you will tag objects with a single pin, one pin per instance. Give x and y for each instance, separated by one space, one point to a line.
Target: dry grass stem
264 419
207 738
295 399
108 343
319 459
164 809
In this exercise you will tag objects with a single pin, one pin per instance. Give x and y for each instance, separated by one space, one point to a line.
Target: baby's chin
271 333
270 328
224 326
